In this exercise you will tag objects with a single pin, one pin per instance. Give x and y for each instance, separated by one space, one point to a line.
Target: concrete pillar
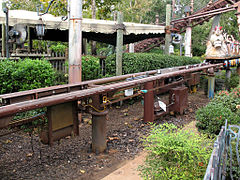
119 48
131 48
188 41
167 31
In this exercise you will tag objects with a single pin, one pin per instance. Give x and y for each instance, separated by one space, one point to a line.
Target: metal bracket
120 27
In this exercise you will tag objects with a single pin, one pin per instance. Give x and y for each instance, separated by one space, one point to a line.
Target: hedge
25 75
139 62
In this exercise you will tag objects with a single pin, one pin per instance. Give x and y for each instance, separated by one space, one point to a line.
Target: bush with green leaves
223 106
175 154
25 75
90 68
139 62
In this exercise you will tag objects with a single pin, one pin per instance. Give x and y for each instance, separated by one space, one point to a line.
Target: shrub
6 79
224 106
90 68
139 62
25 75
175 154
212 117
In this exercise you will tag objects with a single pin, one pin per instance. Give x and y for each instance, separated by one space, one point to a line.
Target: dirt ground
23 157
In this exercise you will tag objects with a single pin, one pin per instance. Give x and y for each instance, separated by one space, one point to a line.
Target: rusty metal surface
62 115
56 135
195 79
148 103
179 96
73 96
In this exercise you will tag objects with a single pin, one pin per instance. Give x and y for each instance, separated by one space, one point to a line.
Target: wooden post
119 48
3 40
29 40
167 31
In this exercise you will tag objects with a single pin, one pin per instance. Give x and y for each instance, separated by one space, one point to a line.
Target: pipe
73 96
75 41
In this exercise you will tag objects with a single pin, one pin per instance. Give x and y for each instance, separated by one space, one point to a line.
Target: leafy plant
175 154
138 62
90 68
25 75
224 106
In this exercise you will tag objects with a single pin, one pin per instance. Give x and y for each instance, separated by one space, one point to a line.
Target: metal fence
220 165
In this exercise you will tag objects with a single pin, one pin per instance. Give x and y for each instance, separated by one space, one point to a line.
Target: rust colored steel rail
204 14
12 109
16 97
11 98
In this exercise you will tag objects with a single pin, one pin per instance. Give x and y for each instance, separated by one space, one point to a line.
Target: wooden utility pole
75 41
119 48
167 29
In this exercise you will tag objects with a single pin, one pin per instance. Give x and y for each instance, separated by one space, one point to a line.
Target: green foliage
175 154
234 79
90 68
229 23
104 8
138 62
224 106
199 38
25 75
58 47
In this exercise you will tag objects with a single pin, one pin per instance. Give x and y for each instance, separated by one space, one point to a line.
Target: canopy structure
98 30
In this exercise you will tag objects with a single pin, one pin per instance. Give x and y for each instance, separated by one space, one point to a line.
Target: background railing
220 165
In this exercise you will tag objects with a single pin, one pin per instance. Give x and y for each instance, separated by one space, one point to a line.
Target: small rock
82 171
29 154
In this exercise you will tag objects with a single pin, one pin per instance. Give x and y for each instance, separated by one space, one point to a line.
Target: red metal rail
12 109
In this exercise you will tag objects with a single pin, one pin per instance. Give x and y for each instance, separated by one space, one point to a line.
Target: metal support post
75 41
99 143
168 32
131 47
149 103
119 48
211 84
238 71
188 42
